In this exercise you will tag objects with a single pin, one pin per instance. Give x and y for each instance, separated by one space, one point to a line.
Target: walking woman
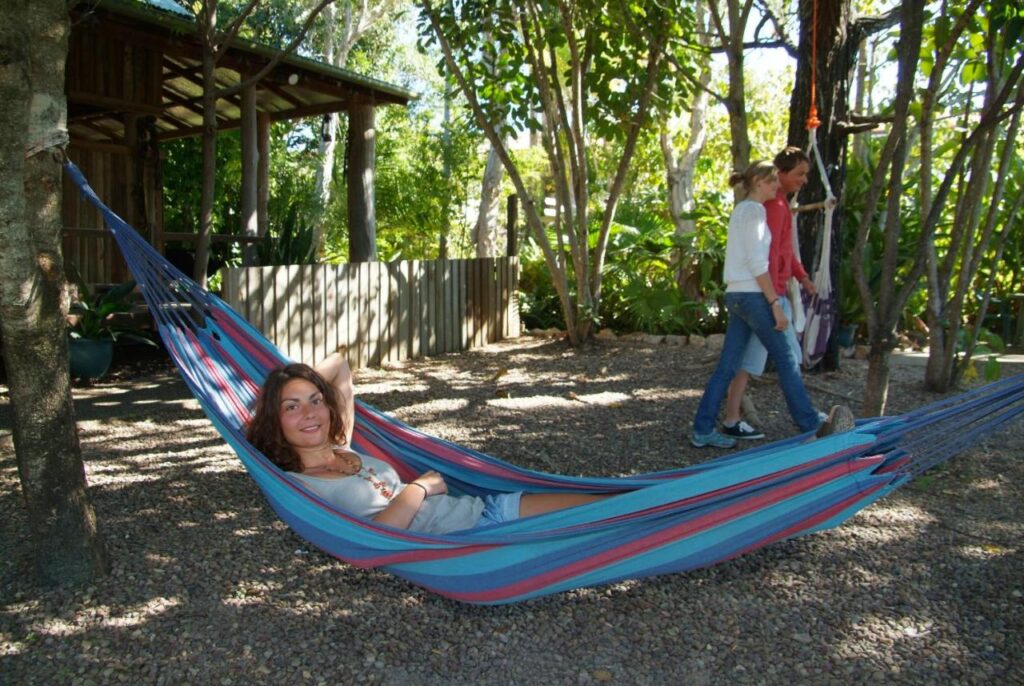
754 310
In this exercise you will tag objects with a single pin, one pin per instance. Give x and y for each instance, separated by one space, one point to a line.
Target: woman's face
765 188
305 417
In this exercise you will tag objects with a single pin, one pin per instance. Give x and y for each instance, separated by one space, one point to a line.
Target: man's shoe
840 418
742 431
713 439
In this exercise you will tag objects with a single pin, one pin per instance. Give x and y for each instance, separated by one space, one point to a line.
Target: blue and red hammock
659 522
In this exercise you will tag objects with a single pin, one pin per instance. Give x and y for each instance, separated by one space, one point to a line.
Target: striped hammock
659 522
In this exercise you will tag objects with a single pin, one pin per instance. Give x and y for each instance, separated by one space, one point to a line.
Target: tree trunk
883 314
209 178
487 220
214 45
876 386
680 174
836 54
328 144
250 174
951 278
735 100
33 303
357 19
324 179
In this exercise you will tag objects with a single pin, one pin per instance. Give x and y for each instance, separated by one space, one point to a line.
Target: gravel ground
208 587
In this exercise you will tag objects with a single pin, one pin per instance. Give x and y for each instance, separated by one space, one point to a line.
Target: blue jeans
756 355
749 314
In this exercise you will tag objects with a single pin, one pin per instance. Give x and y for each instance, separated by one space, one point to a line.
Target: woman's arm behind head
336 371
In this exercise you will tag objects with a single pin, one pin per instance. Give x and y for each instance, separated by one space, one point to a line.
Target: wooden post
250 161
512 221
262 173
362 217
133 173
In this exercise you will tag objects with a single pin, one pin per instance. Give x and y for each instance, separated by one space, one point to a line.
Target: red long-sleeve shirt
782 261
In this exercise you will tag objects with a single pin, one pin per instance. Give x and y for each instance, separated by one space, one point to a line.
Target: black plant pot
845 335
90 357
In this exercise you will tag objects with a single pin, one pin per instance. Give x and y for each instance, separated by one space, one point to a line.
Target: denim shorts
756 355
503 507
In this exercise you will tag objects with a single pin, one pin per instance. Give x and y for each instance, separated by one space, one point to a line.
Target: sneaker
714 439
742 431
840 418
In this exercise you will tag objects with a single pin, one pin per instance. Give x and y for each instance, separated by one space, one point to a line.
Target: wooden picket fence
384 312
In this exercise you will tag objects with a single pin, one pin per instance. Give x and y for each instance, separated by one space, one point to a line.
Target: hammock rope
820 310
659 522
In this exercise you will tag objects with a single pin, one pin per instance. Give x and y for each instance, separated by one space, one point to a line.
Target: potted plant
94 327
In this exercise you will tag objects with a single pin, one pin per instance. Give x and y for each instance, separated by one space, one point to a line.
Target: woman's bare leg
539 503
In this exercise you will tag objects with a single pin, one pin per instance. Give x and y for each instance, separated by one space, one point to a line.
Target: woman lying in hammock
303 423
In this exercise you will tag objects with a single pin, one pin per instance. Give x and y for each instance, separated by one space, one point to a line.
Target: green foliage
641 290
181 168
291 243
590 72
95 317
990 346
424 181
539 306
291 200
858 179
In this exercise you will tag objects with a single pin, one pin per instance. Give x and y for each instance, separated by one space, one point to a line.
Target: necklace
351 464
341 462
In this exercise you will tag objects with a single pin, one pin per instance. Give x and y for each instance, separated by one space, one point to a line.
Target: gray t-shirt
368 492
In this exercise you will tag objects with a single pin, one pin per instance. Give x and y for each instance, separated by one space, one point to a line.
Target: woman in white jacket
754 309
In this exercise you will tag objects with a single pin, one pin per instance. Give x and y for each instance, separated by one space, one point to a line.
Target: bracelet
772 303
425 493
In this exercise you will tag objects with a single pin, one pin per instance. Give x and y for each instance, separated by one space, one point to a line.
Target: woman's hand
432 482
781 323
403 507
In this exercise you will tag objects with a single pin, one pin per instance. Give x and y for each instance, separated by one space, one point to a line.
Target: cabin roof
297 87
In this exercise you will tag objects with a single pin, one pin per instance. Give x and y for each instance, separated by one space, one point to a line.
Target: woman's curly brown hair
264 430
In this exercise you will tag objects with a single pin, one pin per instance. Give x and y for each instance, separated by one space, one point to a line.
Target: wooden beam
111 135
262 173
96 146
176 98
311 110
173 121
186 237
362 216
281 93
113 104
196 79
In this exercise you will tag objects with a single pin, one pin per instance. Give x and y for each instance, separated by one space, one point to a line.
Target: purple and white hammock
815 316
657 523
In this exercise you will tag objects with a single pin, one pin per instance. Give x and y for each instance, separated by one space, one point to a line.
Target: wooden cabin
134 80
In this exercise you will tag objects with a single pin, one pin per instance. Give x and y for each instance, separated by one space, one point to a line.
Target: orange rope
812 115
